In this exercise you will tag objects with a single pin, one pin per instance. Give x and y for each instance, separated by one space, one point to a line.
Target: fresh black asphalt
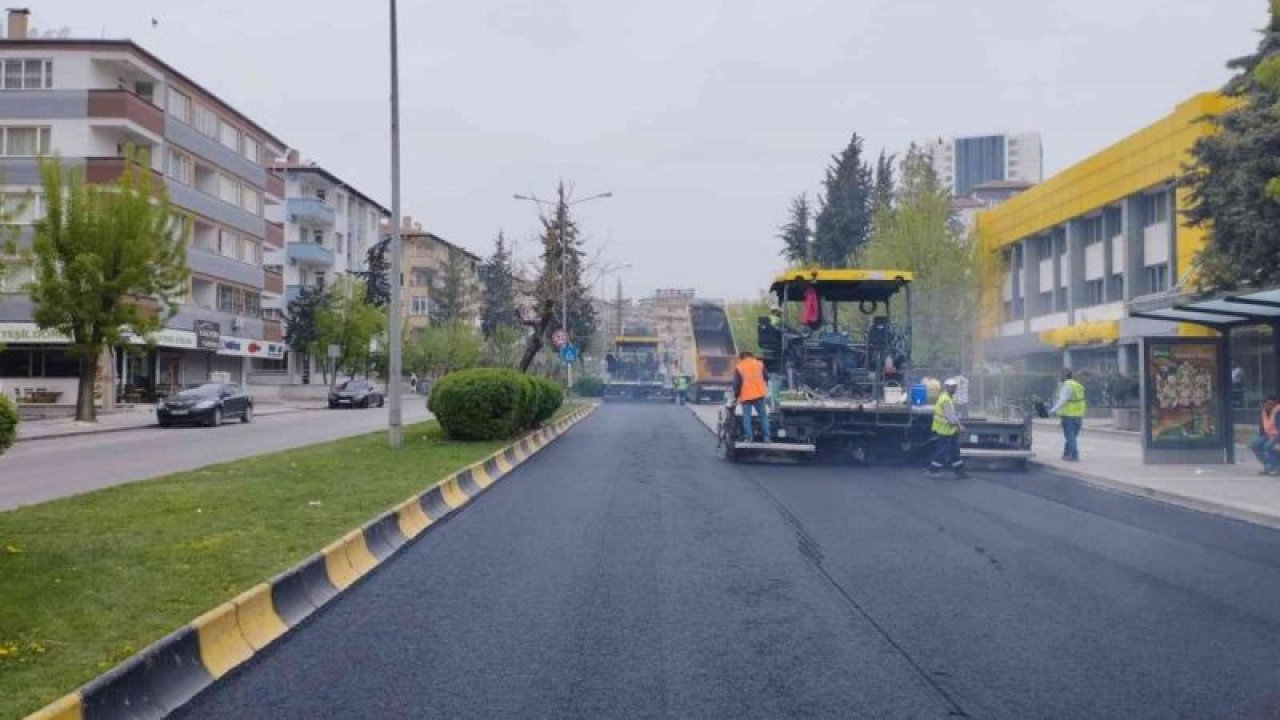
625 572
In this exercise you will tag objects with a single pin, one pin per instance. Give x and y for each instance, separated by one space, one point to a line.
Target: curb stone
171 671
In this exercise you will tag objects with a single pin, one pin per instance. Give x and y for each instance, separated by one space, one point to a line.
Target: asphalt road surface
625 572
40 470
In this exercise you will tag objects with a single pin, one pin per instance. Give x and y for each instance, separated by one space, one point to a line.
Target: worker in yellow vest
1070 406
750 389
946 433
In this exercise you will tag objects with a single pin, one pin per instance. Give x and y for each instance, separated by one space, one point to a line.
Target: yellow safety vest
1075 407
942 426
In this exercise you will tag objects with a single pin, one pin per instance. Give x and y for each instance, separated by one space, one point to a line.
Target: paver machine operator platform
841 379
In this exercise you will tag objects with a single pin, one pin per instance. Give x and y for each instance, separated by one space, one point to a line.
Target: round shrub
8 422
589 387
482 404
550 398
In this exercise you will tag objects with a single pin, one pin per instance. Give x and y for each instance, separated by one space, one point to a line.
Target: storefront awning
1094 333
1219 312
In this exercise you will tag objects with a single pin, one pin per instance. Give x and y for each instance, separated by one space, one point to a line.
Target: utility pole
394 420
618 310
563 211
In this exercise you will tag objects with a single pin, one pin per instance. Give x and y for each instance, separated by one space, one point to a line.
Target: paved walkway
1113 459
135 418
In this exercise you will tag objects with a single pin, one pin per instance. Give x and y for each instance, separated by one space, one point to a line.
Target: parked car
356 393
207 404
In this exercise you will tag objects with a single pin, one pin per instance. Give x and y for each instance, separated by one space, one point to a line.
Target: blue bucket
918 394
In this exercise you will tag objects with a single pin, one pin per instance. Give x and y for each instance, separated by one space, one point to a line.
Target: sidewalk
137 418
1112 459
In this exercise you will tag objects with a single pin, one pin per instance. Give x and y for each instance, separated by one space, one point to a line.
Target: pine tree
883 193
797 234
551 282
1232 179
844 215
377 288
498 276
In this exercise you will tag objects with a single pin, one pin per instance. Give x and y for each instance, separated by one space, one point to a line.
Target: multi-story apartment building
963 163
328 227
1074 250
669 310
424 258
87 101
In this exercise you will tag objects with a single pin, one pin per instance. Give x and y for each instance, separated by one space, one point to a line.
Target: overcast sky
704 117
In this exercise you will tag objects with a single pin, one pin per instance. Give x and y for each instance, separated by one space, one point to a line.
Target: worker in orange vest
1264 447
751 388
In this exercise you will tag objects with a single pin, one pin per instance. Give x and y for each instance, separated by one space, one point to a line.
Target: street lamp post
395 418
562 212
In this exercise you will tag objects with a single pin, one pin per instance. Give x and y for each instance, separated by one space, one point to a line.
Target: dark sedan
356 393
209 404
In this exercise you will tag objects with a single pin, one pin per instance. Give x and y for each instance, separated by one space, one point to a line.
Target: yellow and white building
1064 257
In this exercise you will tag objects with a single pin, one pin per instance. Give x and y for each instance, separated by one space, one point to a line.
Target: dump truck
633 371
714 352
840 359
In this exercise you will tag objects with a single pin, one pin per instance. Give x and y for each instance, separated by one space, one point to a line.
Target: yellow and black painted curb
168 673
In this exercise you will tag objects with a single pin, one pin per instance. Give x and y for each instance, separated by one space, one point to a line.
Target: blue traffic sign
569 353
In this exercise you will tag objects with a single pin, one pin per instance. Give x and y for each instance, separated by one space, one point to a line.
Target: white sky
704 117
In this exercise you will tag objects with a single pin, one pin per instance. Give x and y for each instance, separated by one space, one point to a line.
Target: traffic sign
560 337
569 354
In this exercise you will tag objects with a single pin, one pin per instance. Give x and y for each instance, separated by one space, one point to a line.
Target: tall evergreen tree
1232 177
377 287
498 275
453 300
844 215
552 282
797 234
883 193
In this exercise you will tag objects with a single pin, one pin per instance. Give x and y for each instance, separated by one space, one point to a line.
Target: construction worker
682 388
751 388
1070 406
946 433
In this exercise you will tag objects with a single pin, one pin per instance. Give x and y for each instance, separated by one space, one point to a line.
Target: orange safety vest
1269 423
753 387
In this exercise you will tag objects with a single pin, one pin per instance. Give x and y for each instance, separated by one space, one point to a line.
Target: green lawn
87 581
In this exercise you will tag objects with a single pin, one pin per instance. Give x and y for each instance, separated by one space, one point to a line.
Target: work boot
934 472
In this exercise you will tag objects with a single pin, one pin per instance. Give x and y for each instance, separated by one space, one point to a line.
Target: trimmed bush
8 422
482 404
550 398
589 387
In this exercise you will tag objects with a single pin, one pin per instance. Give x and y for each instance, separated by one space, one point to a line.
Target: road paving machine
634 371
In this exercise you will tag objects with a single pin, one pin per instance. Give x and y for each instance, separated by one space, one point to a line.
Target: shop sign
243 347
208 335
19 333
1184 393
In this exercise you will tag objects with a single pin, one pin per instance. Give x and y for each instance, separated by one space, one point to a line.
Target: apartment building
668 308
424 258
88 100
1074 250
327 226
964 163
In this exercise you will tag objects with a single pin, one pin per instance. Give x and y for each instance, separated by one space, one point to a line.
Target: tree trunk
534 343
86 411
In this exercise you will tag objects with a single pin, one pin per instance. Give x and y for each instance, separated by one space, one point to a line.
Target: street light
394 417
564 263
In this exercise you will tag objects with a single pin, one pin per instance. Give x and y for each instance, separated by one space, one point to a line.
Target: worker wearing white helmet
946 433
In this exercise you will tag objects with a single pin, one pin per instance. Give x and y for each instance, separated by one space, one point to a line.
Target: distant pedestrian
413 382
1070 406
946 434
1265 445
682 388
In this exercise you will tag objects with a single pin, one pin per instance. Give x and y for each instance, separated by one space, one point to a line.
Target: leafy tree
108 259
301 333
454 299
441 349
351 323
377 288
797 234
744 318
844 209
551 282
499 307
915 233
883 193
502 347
1232 184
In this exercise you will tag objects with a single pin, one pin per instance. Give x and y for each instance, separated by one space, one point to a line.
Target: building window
317 236
177 166
229 136
228 190
251 149
419 277
21 208
1093 293
179 105
27 74
337 238
25 141
1158 278
419 305
1117 286
1092 231
238 301
228 244
206 121
1156 208
251 200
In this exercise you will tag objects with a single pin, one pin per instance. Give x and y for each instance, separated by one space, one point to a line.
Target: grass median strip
87 581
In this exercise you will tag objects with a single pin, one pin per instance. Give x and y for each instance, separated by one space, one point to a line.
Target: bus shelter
1186 381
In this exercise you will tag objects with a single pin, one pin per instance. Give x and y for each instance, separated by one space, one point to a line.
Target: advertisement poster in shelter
1184 393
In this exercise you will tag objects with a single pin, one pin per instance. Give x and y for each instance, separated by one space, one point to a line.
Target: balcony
275 185
309 211
305 253
275 235
272 330
272 282
102 170
121 108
